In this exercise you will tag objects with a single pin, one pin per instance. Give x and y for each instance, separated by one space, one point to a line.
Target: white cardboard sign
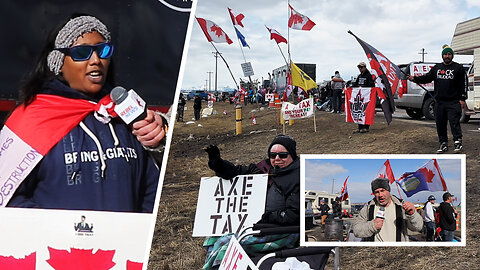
303 109
228 206
43 239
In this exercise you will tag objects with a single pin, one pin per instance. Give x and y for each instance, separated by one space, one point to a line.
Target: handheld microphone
128 105
381 213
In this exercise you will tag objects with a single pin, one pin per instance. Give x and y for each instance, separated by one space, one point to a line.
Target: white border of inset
463 228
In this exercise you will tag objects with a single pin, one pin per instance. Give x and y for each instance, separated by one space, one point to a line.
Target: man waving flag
299 21
389 74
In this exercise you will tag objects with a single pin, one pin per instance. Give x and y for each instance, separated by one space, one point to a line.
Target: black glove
213 152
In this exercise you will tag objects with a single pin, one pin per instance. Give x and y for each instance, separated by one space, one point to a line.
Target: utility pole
209 80
216 54
333 183
423 54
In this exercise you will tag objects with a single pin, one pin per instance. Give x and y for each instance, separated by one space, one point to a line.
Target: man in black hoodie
447 218
450 91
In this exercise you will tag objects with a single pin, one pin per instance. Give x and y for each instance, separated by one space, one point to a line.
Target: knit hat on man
287 142
380 183
446 49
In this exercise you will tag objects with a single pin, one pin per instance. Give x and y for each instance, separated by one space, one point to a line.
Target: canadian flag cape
30 132
213 32
360 104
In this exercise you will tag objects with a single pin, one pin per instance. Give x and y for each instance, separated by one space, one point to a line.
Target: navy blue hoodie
70 175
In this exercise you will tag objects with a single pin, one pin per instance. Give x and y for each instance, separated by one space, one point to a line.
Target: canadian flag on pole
236 19
274 34
386 172
288 88
213 32
344 194
299 21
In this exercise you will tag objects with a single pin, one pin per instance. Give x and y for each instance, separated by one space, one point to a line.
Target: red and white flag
344 194
30 132
236 19
274 34
288 88
360 104
386 172
213 32
299 21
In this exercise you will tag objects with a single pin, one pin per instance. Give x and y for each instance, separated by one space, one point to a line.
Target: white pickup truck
415 100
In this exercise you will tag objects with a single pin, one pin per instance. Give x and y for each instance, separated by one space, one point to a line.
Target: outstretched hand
213 152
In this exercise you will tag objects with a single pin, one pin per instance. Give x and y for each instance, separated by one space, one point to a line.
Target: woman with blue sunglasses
79 154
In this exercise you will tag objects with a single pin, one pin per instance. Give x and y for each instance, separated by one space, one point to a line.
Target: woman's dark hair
41 73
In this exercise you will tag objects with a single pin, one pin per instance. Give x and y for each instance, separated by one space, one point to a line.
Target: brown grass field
173 246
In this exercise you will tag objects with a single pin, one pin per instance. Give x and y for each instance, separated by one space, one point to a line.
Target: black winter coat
283 193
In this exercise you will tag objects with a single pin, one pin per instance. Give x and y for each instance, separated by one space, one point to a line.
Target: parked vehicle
316 196
415 100
202 94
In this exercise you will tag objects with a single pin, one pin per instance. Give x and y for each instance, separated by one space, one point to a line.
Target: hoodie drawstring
99 147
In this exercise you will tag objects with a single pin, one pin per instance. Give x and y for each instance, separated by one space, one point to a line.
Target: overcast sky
320 172
398 29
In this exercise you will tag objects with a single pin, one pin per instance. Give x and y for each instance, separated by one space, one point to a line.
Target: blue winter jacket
70 176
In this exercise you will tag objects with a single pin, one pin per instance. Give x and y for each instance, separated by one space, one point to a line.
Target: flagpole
282 54
225 61
398 190
314 121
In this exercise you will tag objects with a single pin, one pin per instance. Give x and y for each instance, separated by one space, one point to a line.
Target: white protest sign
228 206
247 69
236 258
269 97
55 239
303 109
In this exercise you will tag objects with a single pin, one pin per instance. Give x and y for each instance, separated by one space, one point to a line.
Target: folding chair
316 257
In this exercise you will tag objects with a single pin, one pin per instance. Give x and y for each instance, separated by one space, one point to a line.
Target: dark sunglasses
280 154
84 52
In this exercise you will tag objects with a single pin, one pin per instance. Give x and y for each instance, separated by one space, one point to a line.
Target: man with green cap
450 90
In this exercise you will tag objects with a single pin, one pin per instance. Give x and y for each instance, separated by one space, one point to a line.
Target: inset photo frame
383 200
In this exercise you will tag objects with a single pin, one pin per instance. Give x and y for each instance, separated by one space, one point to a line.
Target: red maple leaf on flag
428 174
79 259
134 265
218 31
296 19
27 263
382 176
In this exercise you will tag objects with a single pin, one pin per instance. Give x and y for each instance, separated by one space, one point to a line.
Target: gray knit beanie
72 30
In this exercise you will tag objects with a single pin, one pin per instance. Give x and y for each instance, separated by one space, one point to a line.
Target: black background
148 37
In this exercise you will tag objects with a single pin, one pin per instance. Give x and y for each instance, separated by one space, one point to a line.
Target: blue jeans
447 236
430 230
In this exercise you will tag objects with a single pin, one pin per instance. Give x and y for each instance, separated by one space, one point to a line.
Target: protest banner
303 109
360 104
236 258
228 206
61 239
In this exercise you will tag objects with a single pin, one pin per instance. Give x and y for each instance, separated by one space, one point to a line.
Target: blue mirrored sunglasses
84 52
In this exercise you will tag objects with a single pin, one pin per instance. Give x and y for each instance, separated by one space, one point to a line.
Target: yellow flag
301 79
